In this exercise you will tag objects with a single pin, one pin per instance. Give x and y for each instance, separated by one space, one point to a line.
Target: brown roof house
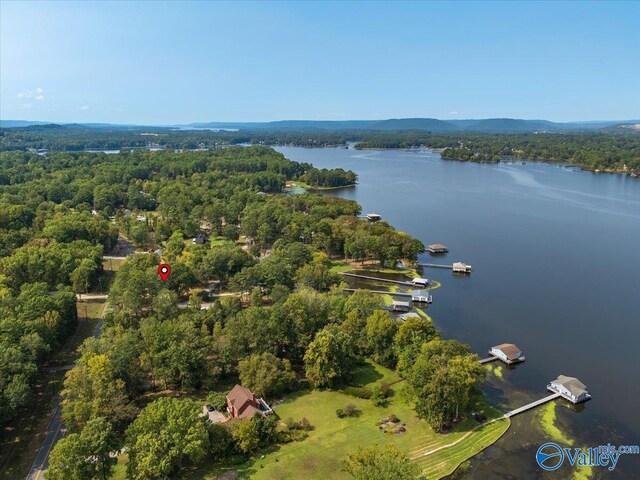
507 352
242 403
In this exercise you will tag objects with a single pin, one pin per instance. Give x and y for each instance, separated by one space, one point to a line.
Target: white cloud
454 113
37 94
26 105
84 108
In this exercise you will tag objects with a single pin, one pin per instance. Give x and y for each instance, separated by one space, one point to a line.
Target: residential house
242 403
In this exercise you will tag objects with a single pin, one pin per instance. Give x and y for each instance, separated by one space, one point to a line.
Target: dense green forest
289 327
614 151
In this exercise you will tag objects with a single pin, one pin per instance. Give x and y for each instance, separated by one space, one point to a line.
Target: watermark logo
550 456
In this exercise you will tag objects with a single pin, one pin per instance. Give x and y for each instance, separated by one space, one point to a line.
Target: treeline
607 151
467 155
619 152
329 178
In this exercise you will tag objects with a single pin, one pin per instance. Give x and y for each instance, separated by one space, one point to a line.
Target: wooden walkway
531 405
488 359
366 277
436 265
381 292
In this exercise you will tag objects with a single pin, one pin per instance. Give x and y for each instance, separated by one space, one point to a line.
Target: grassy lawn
340 267
319 455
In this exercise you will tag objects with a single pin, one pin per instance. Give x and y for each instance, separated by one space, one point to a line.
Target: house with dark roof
242 403
507 352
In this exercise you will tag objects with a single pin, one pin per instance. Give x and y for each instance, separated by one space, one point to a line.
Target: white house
420 282
507 352
460 267
570 388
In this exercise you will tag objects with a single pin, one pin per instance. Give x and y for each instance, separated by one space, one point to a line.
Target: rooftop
510 350
575 386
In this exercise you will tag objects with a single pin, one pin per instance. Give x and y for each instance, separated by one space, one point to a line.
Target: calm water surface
556 270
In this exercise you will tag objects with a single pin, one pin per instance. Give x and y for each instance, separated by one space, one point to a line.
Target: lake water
556 270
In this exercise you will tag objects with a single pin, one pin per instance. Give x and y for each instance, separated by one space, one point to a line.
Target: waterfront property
508 353
437 248
459 267
570 388
242 403
421 296
401 306
420 282
373 217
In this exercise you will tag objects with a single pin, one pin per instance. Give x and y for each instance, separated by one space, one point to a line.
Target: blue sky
164 63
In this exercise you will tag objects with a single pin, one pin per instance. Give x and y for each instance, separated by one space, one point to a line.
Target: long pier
436 265
366 277
488 359
531 405
381 292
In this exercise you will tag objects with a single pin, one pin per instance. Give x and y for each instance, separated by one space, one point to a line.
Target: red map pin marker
164 270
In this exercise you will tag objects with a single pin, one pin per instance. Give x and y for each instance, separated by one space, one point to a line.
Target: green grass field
320 455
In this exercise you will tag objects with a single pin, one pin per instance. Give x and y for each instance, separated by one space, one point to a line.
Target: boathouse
421 296
570 388
437 248
420 282
401 306
374 217
459 267
507 352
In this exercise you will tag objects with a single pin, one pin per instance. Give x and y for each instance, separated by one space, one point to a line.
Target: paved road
56 428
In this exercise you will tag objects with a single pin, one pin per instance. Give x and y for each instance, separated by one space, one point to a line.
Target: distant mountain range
489 125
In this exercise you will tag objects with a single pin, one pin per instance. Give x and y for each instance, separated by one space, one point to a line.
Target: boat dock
436 265
436 248
367 277
457 267
531 405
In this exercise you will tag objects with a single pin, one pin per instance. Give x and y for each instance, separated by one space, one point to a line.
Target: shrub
378 398
358 392
386 389
217 400
305 424
349 410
